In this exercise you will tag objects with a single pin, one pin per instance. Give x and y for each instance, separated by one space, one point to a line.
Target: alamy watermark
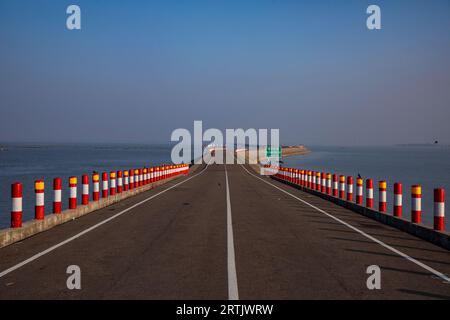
73 21
374 280
373 22
74 280
239 146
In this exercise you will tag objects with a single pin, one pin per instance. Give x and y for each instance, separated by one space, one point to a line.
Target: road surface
224 233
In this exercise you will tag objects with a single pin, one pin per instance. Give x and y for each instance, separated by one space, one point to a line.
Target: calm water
26 163
425 165
428 166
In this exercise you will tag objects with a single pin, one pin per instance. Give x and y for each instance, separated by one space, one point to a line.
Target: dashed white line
381 243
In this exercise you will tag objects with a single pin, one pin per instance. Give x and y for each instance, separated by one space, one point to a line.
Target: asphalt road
200 239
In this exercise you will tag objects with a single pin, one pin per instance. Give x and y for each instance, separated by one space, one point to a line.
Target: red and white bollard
73 192
318 181
152 175
324 182
307 180
96 187
131 179
350 188
329 183
416 204
57 202
119 182
137 178
308 176
141 179
84 189
313 180
104 185
382 198
342 187
439 209
335 185
39 208
126 180
359 191
398 199
369 193
145 176
16 210
112 187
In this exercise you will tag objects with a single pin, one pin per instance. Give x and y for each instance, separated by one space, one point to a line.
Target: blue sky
139 69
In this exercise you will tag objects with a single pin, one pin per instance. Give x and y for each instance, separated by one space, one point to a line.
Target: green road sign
273 152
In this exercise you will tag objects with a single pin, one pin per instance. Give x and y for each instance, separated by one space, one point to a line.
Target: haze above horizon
137 71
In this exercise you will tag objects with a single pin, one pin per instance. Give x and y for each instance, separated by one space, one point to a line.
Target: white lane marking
232 277
381 243
56 246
